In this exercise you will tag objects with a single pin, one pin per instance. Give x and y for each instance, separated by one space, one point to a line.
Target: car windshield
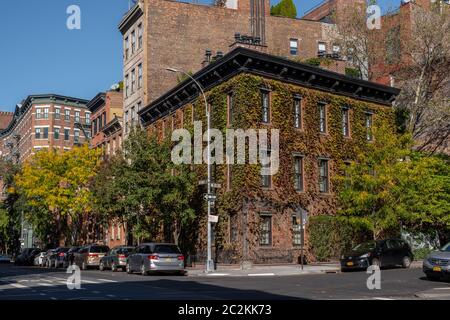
125 250
99 249
446 248
365 246
166 248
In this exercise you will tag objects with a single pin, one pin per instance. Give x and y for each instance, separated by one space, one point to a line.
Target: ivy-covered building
324 118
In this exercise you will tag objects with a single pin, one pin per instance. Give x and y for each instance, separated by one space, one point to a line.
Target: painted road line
106 280
111 296
441 288
42 284
260 274
217 274
381 298
89 281
18 285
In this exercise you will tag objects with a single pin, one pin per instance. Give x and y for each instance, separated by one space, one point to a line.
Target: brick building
44 121
323 118
107 115
162 33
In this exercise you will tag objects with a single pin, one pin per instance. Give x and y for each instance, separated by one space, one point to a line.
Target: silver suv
437 264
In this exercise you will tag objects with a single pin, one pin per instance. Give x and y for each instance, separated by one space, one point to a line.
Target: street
33 283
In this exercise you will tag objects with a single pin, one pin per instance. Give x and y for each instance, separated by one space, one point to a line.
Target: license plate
167 259
437 269
349 264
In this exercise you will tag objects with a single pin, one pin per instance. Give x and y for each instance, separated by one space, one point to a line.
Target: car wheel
143 271
406 262
113 267
128 268
432 277
376 262
102 266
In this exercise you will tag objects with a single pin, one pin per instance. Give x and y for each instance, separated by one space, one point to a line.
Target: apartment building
324 119
162 33
44 121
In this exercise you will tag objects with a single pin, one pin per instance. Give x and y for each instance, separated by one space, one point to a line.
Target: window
297 113
133 115
323 176
127 48
336 51
293 46
127 85
266 179
88 118
298 173
322 118
126 122
76 136
67 114
140 36
113 228
140 76
322 47
77 116
139 106
345 122
45 113
119 235
369 135
100 122
56 133
57 113
296 231
230 108
265 106
94 127
133 80
66 134
133 42
104 119
38 113
37 133
265 230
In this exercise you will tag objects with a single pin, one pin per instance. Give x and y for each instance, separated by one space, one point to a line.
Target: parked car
437 264
151 257
56 259
38 259
5 259
26 256
70 256
383 253
46 258
116 258
90 255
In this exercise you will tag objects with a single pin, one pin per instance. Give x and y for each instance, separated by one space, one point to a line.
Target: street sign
213 219
213 185
210 197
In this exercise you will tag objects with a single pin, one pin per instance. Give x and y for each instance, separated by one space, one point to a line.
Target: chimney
207 59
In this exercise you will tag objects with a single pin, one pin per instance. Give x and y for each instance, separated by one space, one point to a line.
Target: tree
389 186
425 80
285 8
144 188
55 189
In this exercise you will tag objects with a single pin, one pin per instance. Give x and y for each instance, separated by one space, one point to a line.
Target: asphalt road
49 284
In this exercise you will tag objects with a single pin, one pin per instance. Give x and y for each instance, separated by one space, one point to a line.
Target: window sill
325 194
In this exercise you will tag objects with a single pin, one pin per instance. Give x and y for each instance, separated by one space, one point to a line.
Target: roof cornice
130 18
96 102
243 60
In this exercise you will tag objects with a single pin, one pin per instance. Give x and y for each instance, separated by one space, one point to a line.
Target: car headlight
364 256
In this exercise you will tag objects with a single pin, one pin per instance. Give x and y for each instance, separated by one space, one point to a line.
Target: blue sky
40 55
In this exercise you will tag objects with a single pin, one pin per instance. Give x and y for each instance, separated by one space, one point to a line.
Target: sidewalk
265 270
271 270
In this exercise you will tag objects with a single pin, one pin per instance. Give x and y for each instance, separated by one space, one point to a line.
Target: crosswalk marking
42 284
260 274
106 280
18 285
381 298
89 281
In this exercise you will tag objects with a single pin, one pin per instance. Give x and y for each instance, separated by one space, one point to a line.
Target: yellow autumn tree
55 188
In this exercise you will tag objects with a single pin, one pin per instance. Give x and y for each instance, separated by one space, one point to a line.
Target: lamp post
209 262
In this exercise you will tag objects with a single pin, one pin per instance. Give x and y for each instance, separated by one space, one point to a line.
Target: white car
39 259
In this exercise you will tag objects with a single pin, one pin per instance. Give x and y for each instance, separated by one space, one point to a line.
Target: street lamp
209 262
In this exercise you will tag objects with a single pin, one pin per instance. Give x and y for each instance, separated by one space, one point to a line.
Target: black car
383 253
26 256
116 258
56 259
